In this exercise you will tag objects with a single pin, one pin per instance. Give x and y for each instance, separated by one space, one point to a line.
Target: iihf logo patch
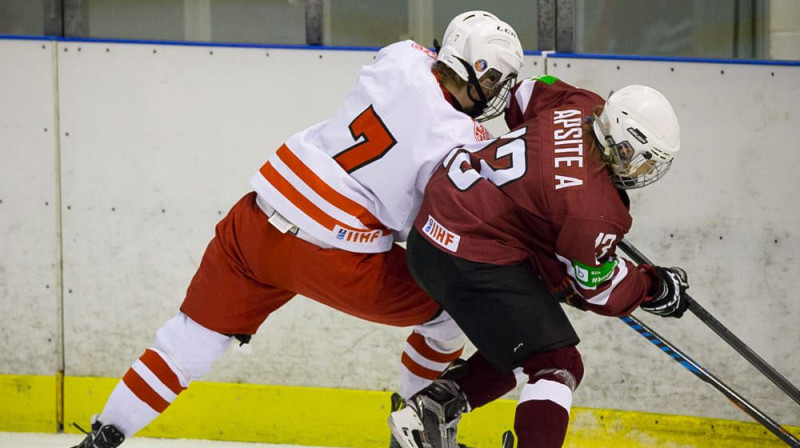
481 64
440 235
366 236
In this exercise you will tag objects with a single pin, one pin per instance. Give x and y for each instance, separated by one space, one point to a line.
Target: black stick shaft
732 340
706 376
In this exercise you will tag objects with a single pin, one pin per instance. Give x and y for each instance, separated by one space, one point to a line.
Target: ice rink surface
31 440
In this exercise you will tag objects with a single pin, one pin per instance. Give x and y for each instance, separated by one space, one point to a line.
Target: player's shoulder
402 65
404 88
546 91
408 49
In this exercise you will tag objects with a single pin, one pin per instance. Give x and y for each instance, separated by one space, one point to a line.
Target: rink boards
118 159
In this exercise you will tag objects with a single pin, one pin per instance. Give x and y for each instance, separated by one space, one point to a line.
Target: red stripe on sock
144 392
417 341
416 369
159 367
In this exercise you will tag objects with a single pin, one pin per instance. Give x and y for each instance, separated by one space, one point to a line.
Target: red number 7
372 138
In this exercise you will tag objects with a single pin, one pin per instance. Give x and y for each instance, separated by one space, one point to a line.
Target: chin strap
457 106
472 80
482 102
447 95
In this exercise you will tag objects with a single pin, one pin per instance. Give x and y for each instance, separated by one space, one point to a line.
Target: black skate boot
430 418
508 440
102 436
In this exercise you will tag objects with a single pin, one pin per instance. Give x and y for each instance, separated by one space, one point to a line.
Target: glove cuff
655 287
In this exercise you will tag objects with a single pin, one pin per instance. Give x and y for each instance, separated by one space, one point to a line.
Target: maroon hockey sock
540 424
484 383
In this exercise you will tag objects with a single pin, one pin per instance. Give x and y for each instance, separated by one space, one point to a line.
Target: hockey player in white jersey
323 218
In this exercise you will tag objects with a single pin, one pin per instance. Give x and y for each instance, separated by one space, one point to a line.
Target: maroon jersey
539 194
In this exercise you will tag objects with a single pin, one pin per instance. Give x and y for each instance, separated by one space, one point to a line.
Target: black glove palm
670 298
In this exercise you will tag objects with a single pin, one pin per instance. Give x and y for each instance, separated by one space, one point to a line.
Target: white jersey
355 181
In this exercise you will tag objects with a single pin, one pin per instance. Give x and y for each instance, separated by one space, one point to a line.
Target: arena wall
117 159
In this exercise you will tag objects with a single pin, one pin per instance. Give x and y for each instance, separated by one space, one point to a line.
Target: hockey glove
669 299
565 293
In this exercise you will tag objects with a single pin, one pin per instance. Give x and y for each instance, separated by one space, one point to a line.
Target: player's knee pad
552 377
442 333
563 365
190 347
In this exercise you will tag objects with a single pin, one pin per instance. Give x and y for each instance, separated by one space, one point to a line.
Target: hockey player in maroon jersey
511 227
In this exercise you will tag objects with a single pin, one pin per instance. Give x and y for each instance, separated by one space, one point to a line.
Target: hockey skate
397 403
430 418
101 436
508 440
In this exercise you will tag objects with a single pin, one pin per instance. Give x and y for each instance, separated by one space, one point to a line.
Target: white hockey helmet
485 52
640 135
461 23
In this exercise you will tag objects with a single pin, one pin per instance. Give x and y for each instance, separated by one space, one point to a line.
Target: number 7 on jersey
372 138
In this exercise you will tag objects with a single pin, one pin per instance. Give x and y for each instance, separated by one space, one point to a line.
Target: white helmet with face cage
640 135
485 52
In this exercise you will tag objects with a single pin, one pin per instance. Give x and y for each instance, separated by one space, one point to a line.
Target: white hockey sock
184 351
430 348
146 390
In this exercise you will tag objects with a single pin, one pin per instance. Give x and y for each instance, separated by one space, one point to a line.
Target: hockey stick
737 344
706 376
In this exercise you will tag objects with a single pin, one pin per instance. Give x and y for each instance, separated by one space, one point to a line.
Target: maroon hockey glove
669 298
